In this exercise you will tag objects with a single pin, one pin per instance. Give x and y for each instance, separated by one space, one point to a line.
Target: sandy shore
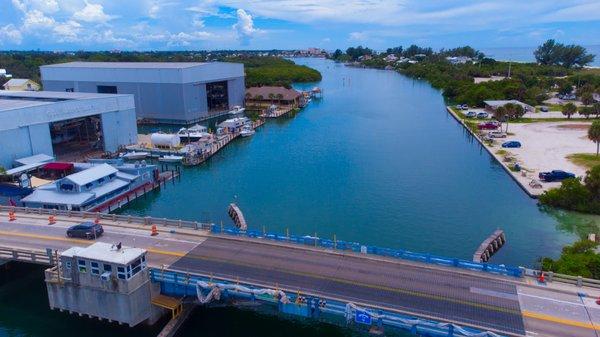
545 147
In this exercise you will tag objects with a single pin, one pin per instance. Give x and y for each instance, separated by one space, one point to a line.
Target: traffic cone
542 278
598 301
51 220
154 231
97 221
12 216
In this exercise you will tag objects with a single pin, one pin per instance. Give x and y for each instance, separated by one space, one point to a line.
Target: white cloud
154 10
20 5
197 22
67 31
358 36
92 13
10 33
186 39
35 20
45 6
244 27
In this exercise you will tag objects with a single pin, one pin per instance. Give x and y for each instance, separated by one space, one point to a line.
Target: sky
292 24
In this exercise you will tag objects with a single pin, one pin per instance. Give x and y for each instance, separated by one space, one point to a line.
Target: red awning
58 166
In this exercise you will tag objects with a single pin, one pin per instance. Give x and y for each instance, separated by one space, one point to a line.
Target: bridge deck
468 298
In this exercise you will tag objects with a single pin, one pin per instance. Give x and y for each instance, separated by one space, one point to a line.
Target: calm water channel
377 160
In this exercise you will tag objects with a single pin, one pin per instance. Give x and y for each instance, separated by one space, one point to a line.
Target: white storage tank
165 140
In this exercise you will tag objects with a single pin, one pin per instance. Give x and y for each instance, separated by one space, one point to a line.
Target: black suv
86 230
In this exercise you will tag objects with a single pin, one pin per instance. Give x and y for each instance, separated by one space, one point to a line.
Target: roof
101 251
57 95
127 65
52 196
58 166
37 158
17 81
288 94
93 173
24 168
73 251
497 103
10 190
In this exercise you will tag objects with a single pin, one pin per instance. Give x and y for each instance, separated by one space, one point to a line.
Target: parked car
555 175
544 108
497 134
471 114
482 115
86 230
464 107
491 125
511 144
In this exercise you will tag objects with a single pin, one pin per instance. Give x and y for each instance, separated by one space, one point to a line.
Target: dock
490 246
237 216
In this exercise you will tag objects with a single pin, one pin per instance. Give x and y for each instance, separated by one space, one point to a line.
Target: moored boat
135 155
170 158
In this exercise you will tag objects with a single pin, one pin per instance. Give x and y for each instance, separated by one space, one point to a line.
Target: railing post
579 281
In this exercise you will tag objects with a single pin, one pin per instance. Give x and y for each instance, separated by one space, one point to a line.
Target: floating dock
237 216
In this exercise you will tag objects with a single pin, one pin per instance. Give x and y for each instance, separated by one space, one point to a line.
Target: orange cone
12 216
51 220
97 221
542 278
154 231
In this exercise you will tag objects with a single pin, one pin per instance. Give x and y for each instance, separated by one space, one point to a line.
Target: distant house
458 59
265 96
21 84
390 58
491 106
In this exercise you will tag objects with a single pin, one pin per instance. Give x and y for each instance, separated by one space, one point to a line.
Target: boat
193 133
170 158
237 110
247 131
135 155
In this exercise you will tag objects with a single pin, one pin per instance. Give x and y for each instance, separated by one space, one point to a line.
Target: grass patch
587 160
501 152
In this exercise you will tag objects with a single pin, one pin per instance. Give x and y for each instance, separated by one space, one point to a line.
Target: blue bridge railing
358 248
176 283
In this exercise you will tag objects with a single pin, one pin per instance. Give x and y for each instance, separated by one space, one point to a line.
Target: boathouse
266 96
166 92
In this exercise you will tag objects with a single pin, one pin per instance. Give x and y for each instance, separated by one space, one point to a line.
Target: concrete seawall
512 174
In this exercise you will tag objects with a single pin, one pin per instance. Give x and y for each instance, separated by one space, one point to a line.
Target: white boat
170 158
193 133
247 131
237 110
135 155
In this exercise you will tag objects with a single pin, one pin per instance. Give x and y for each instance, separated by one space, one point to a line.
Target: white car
496 134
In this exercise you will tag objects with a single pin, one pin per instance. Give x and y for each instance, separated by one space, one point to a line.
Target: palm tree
271 97
569 109
279 98
594 135
501 115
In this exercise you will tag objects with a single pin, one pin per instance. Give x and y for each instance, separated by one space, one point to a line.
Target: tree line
568 56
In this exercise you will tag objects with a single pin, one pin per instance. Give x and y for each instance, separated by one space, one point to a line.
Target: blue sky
290 24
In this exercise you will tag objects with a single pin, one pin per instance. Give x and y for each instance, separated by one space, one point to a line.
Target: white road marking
552 299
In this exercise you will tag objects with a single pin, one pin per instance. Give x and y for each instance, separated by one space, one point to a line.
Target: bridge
396 288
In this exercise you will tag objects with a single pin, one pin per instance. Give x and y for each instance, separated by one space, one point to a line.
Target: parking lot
545 146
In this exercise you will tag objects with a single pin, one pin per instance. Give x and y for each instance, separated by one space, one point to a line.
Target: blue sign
363 317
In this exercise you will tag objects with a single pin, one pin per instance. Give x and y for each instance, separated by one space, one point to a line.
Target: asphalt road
438 293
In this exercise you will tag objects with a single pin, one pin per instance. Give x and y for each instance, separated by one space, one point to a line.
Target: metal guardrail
112 217
366 249
23 255
550 277
176 283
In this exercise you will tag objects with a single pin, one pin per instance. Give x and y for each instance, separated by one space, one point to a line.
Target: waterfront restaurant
267 96
91 187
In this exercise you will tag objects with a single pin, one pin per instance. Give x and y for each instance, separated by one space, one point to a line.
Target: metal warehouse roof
127 65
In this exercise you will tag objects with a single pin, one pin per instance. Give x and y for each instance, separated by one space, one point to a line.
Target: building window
95 268
68 265
107 267
107 89
81 266
121 273
129 272
70 89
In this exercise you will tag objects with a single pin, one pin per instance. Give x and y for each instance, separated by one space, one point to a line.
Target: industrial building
64 125
166 92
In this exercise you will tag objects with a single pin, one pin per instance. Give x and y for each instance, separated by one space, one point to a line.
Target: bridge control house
104 281
166 92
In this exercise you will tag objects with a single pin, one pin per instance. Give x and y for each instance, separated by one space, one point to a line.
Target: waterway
378 160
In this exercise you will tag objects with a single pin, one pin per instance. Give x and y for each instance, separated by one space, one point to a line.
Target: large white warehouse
65 125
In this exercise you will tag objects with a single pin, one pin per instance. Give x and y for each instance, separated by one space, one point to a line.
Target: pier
237 216
490 246
378 287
